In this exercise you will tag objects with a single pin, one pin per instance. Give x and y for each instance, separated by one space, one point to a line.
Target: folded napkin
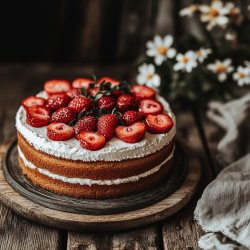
224 208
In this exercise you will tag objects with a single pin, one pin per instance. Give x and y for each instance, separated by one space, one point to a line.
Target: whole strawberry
57 101
106 125
80 103
65 115
87 123
106 102
126 102
130 117
72 93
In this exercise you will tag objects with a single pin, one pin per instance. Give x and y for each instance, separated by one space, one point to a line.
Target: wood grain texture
72 221
137 239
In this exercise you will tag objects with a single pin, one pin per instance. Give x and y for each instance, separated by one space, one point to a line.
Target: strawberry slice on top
60 132
143 92
37 116
33 101
57 101
56 86
91 141
150 107
131 134
157 124
80 103
64 114
81 83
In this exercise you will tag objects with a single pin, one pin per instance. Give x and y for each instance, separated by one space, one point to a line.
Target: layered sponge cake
95 139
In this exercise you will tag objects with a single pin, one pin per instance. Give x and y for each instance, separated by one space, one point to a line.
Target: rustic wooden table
177 232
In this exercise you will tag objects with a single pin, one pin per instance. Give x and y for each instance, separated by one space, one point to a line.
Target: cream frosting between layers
91 182
114 150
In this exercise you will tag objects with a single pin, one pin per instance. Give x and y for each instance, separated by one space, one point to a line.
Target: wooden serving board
83 220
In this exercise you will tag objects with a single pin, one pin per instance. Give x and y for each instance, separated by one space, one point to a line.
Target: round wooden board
74 221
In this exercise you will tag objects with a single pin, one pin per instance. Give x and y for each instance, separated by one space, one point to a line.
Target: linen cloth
224 208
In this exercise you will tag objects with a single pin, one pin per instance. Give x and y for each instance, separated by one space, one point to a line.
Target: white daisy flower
202 54
189 11
221 68
214 15
160 49
186 62
148 76
242 75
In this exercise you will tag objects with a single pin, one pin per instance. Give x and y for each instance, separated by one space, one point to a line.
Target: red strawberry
56 86
37 116
73 93
157 124
87 123
108 79
91 141
131 117
106 125
93 91
150 107
143 92
65 115
57 101
126 102
80 103
60 131
33 101
131 134
106 102
117 93
81 83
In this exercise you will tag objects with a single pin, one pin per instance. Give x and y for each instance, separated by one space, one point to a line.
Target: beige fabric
224 208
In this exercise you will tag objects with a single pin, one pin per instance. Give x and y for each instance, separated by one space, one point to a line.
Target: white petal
204 8
158 41
151 52
178 66
168 41
140 79
171 53
179 57
222 20
159 60
222 77
150 45
156 80
151 68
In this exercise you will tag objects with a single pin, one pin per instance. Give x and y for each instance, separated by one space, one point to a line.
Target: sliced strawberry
106 102
57 101
80 103
33 101
91 141
113 82
143 92
72 93
150 107
126 102
65 115
56 86
131 134
93 91
157 124
81 83
106 125
87 123
60 131
130 117
37 116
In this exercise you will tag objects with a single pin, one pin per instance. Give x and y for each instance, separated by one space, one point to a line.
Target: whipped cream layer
114 150
91 182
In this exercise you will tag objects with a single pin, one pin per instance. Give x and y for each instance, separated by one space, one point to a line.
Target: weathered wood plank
145 238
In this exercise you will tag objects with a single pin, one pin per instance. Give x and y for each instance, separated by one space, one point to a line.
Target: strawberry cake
95 138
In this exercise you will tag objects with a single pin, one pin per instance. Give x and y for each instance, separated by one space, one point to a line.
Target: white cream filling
90 182
114 150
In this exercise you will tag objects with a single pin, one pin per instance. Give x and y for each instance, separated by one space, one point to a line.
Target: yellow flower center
213 12
162 50
184 59
241 75
220 69
149 76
